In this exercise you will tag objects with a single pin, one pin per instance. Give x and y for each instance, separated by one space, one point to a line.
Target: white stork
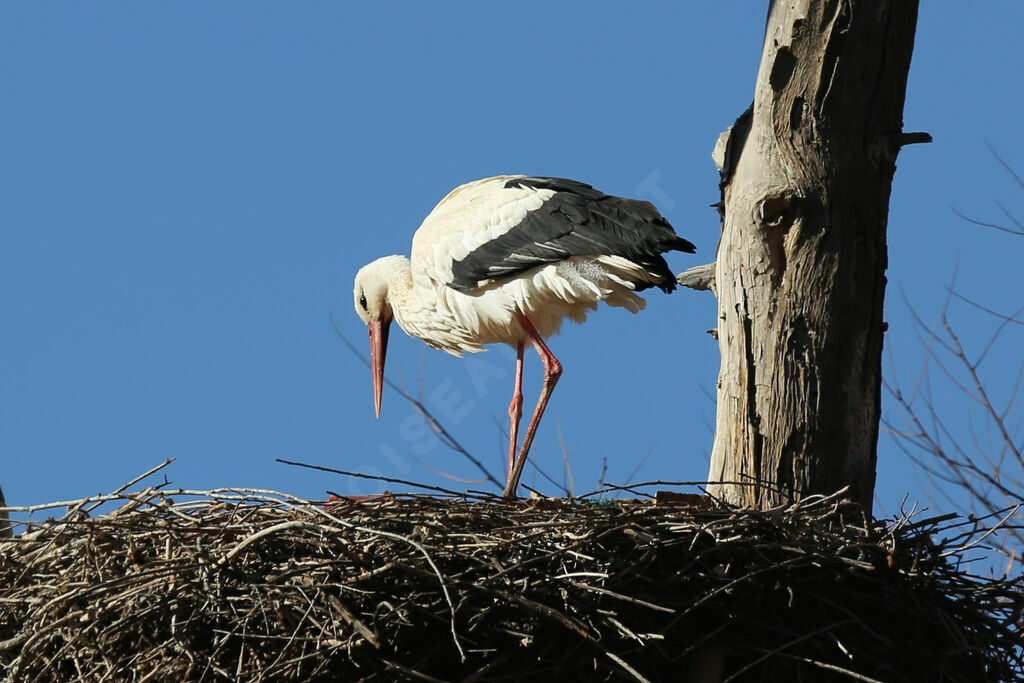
505 259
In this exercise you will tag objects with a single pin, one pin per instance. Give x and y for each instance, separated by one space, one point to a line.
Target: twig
136 480
444 435
570 485
375 477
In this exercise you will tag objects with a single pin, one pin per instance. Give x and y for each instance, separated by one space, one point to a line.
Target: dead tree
800 276
5 524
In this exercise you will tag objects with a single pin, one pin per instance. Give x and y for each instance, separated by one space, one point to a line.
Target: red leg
552 371
515 409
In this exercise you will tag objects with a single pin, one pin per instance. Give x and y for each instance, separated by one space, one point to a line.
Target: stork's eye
362 302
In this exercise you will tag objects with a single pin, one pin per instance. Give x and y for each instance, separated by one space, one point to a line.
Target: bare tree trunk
800 275
5 525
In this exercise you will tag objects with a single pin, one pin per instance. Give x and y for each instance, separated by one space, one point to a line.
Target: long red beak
378 350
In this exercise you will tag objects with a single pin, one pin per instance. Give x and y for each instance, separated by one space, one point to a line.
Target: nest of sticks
250 585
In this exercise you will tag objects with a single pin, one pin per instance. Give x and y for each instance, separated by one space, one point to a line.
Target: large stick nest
245 585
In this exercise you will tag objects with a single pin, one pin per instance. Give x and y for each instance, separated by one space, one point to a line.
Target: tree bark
800 276
5 524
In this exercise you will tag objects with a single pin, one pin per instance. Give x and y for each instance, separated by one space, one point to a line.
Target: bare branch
701 278
1006 166
986 224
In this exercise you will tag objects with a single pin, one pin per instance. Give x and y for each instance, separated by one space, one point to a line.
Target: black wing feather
576 220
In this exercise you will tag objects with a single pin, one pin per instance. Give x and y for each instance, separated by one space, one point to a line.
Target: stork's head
372 305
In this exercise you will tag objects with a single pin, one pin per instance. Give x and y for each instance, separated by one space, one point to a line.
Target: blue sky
188 190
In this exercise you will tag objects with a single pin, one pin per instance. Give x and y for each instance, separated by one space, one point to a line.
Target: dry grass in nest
257 585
